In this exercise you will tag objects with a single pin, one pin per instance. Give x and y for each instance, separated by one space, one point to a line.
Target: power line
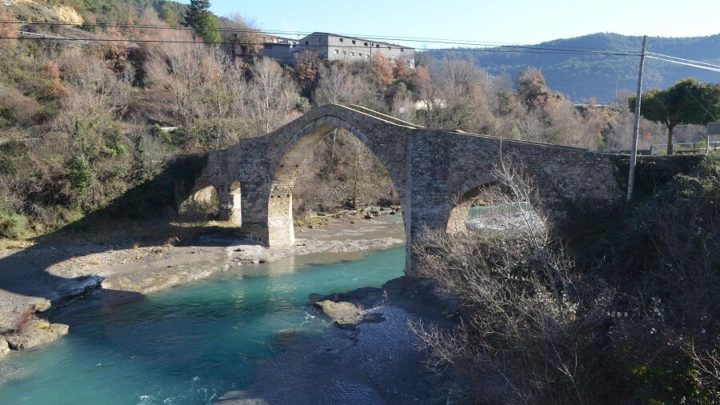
708 112
560 51
690 64
484 44
685 60
504 49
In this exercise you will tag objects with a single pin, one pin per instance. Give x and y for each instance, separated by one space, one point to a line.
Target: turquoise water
188 345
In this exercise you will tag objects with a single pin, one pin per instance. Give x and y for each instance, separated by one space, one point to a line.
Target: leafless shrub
338 85
706 363
273 96
527 315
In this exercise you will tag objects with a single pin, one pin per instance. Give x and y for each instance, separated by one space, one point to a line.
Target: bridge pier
230 204
281 228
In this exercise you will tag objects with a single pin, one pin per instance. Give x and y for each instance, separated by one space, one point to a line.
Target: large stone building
327 46
251 46
339 47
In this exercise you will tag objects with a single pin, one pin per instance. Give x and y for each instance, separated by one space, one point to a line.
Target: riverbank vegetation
629 315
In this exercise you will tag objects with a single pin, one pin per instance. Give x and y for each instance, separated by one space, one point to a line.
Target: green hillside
581 77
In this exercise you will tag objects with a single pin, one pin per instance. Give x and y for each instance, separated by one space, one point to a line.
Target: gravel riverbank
33 278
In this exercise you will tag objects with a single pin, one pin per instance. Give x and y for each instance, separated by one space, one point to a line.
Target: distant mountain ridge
581 77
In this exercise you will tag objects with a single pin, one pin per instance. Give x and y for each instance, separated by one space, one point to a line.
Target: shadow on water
145 215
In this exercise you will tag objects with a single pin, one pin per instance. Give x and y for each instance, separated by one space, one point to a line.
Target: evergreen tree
168 14
204 23
686 102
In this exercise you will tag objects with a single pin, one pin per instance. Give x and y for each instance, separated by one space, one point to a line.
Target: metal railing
685 148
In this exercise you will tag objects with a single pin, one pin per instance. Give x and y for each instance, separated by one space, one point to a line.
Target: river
188 345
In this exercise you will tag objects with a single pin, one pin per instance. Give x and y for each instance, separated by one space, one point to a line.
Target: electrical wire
443 41
684 60
505 49
695 65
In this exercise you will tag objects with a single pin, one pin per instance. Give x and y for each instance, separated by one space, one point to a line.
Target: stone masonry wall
432 171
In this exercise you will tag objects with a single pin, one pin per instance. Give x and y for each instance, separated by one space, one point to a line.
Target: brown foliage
381 71
7 30
401 69
57 89
307 68
421 82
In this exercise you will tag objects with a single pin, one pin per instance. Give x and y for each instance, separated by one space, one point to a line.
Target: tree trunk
355 180
670 140
332 152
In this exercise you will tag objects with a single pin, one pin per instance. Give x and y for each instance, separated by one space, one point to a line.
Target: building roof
360 39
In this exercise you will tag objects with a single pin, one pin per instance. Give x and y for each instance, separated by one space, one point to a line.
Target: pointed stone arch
202 203
294 158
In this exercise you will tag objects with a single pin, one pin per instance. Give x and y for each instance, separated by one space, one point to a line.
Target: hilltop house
327 46
339 47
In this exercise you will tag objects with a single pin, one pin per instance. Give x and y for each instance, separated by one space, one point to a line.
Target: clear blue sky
502 21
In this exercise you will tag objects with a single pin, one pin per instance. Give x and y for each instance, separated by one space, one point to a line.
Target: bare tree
338 85
457 98
524 313
272 94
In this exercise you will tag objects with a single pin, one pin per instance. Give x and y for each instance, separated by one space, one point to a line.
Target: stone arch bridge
434 171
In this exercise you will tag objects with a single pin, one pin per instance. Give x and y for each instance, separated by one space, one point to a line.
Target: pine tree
204 23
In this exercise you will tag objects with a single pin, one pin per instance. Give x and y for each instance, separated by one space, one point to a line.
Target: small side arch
460 213
203 204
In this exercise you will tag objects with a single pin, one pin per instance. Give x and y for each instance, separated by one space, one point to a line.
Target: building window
353 42
377 45
341 40
365 43
402 49
352 53
307 42
389 48
336 52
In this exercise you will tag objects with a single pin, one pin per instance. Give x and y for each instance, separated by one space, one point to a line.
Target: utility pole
636 130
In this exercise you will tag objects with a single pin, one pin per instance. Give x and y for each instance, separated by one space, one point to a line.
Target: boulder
343 313
36 333
4 347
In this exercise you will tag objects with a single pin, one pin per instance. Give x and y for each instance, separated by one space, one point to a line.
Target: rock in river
37 332
4 348
343 313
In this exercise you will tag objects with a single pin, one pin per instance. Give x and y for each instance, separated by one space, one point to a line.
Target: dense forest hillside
581 77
